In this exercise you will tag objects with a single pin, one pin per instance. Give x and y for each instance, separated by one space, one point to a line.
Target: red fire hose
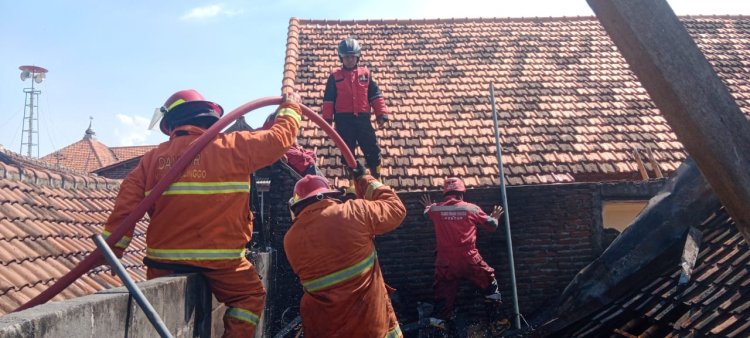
129 223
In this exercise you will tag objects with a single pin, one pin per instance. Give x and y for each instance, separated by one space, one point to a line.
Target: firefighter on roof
330 247
202 222
457 258
350 97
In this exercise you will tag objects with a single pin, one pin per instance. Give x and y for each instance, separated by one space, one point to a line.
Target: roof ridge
292 55
141 146
444 20
493 19
95 150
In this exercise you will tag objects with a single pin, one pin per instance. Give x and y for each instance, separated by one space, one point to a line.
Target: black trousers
357 130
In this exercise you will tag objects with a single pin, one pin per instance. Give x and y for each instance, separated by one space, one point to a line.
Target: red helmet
311 186
184 106
453 184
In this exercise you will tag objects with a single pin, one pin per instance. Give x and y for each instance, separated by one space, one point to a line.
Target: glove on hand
363 183
381 119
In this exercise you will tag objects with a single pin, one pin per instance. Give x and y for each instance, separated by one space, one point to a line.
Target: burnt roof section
569 107
715 302
47 217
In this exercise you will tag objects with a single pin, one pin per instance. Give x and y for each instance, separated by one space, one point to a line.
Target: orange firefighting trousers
240 289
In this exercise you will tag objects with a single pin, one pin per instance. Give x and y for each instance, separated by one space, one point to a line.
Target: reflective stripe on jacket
204 188
341 275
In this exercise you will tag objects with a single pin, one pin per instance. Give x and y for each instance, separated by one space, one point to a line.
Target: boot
499 326
375 171
496 317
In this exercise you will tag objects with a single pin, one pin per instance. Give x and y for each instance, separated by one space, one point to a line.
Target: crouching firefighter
457 258
202 222
330 247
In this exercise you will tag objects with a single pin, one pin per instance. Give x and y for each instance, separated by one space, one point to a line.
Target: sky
116 61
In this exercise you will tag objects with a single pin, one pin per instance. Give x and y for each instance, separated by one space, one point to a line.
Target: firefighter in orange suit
202 222
330 247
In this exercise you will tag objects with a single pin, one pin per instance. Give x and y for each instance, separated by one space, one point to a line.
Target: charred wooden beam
650 245
690 254
641 166
687 91
654 164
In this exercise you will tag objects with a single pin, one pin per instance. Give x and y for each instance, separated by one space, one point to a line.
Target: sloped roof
85 155
46 220
239 125
88 154
126 153
715 302
569 107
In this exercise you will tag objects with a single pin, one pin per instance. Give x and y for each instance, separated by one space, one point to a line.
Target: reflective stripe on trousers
243 315
122 243
394 333
341 275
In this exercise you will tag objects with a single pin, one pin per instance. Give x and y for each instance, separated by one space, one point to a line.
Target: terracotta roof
239 125
126 153
88 154
569 107
85 155
715 302
46 220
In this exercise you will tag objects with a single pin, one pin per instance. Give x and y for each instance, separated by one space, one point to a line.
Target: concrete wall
183 302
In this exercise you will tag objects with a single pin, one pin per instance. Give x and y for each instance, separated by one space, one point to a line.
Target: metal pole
153 317
31 120
506 217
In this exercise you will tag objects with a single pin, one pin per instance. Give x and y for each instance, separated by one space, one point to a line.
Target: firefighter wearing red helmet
188 105
203 222
349 99
457 257
330 247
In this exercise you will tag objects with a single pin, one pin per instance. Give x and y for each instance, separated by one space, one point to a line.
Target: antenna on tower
30 128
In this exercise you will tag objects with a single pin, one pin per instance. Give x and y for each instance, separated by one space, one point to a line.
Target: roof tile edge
292 55
14 169
478 20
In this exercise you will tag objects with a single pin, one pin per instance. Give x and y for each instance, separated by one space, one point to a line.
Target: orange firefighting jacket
203 218
330 247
